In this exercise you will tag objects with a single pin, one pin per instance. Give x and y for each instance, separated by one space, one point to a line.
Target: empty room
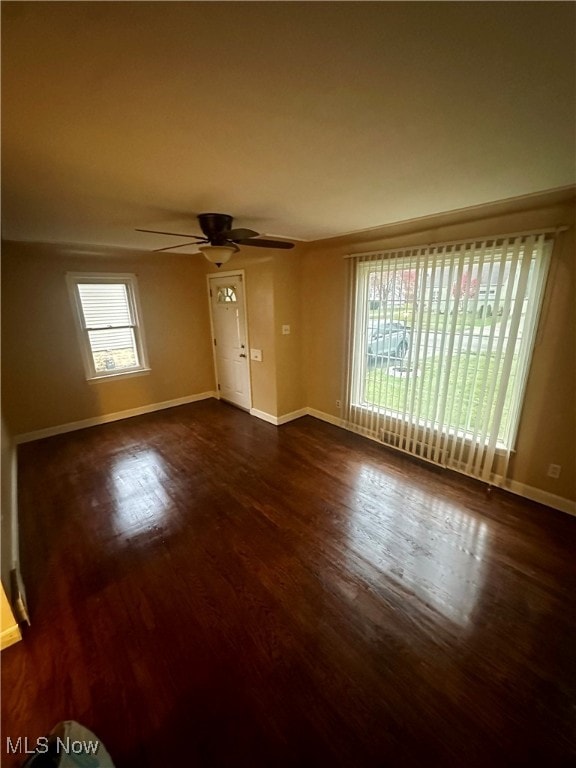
288 384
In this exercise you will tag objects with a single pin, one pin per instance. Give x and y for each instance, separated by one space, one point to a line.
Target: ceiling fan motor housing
215 226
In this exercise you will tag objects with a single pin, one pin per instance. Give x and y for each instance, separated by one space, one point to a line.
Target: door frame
230 273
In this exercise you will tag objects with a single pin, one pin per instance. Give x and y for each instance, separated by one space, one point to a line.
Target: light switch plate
256 354
285 330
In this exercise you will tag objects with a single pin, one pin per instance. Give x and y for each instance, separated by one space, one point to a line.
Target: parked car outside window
387 341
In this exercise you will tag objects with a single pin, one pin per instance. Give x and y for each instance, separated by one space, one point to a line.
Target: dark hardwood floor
210 590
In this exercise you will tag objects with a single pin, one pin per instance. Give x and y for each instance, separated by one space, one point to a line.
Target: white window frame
480 448
524 349
74 279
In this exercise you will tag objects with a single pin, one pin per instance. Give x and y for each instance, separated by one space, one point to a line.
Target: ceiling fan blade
175 234
171 247
261 243
240 234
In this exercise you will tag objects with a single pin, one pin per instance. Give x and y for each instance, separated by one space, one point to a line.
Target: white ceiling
304 120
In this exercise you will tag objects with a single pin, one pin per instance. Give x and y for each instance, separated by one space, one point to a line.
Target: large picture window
441 341
109 323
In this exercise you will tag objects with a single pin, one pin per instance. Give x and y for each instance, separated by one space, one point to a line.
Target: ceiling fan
220 241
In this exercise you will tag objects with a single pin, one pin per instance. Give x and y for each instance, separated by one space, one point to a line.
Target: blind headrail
549 233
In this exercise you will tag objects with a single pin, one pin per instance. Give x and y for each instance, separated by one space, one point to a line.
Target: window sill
119 375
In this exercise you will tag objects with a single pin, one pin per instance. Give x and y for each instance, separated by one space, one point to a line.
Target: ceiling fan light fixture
217 254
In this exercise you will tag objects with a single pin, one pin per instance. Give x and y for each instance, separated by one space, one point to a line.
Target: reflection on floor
207 589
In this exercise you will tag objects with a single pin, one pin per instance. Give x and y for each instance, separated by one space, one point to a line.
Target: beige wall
260 314
307 288
44 384
325 318
43 379
548 423
287 311
273 288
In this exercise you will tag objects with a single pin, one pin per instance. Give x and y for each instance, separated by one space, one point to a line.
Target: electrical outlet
338 404
285 330
554 471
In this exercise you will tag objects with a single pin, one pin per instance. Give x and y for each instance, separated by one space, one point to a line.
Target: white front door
230 342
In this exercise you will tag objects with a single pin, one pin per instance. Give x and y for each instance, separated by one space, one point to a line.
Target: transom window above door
226 294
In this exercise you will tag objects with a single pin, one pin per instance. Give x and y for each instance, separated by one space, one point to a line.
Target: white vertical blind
440 344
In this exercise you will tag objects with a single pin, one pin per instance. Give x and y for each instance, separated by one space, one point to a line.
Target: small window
227 294
109 325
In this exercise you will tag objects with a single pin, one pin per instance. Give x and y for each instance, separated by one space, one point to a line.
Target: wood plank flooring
210 590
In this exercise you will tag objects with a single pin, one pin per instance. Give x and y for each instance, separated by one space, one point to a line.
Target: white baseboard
542 497
292 416
278 420
513 486
264 416
521 489
526 491
27 437
335 420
